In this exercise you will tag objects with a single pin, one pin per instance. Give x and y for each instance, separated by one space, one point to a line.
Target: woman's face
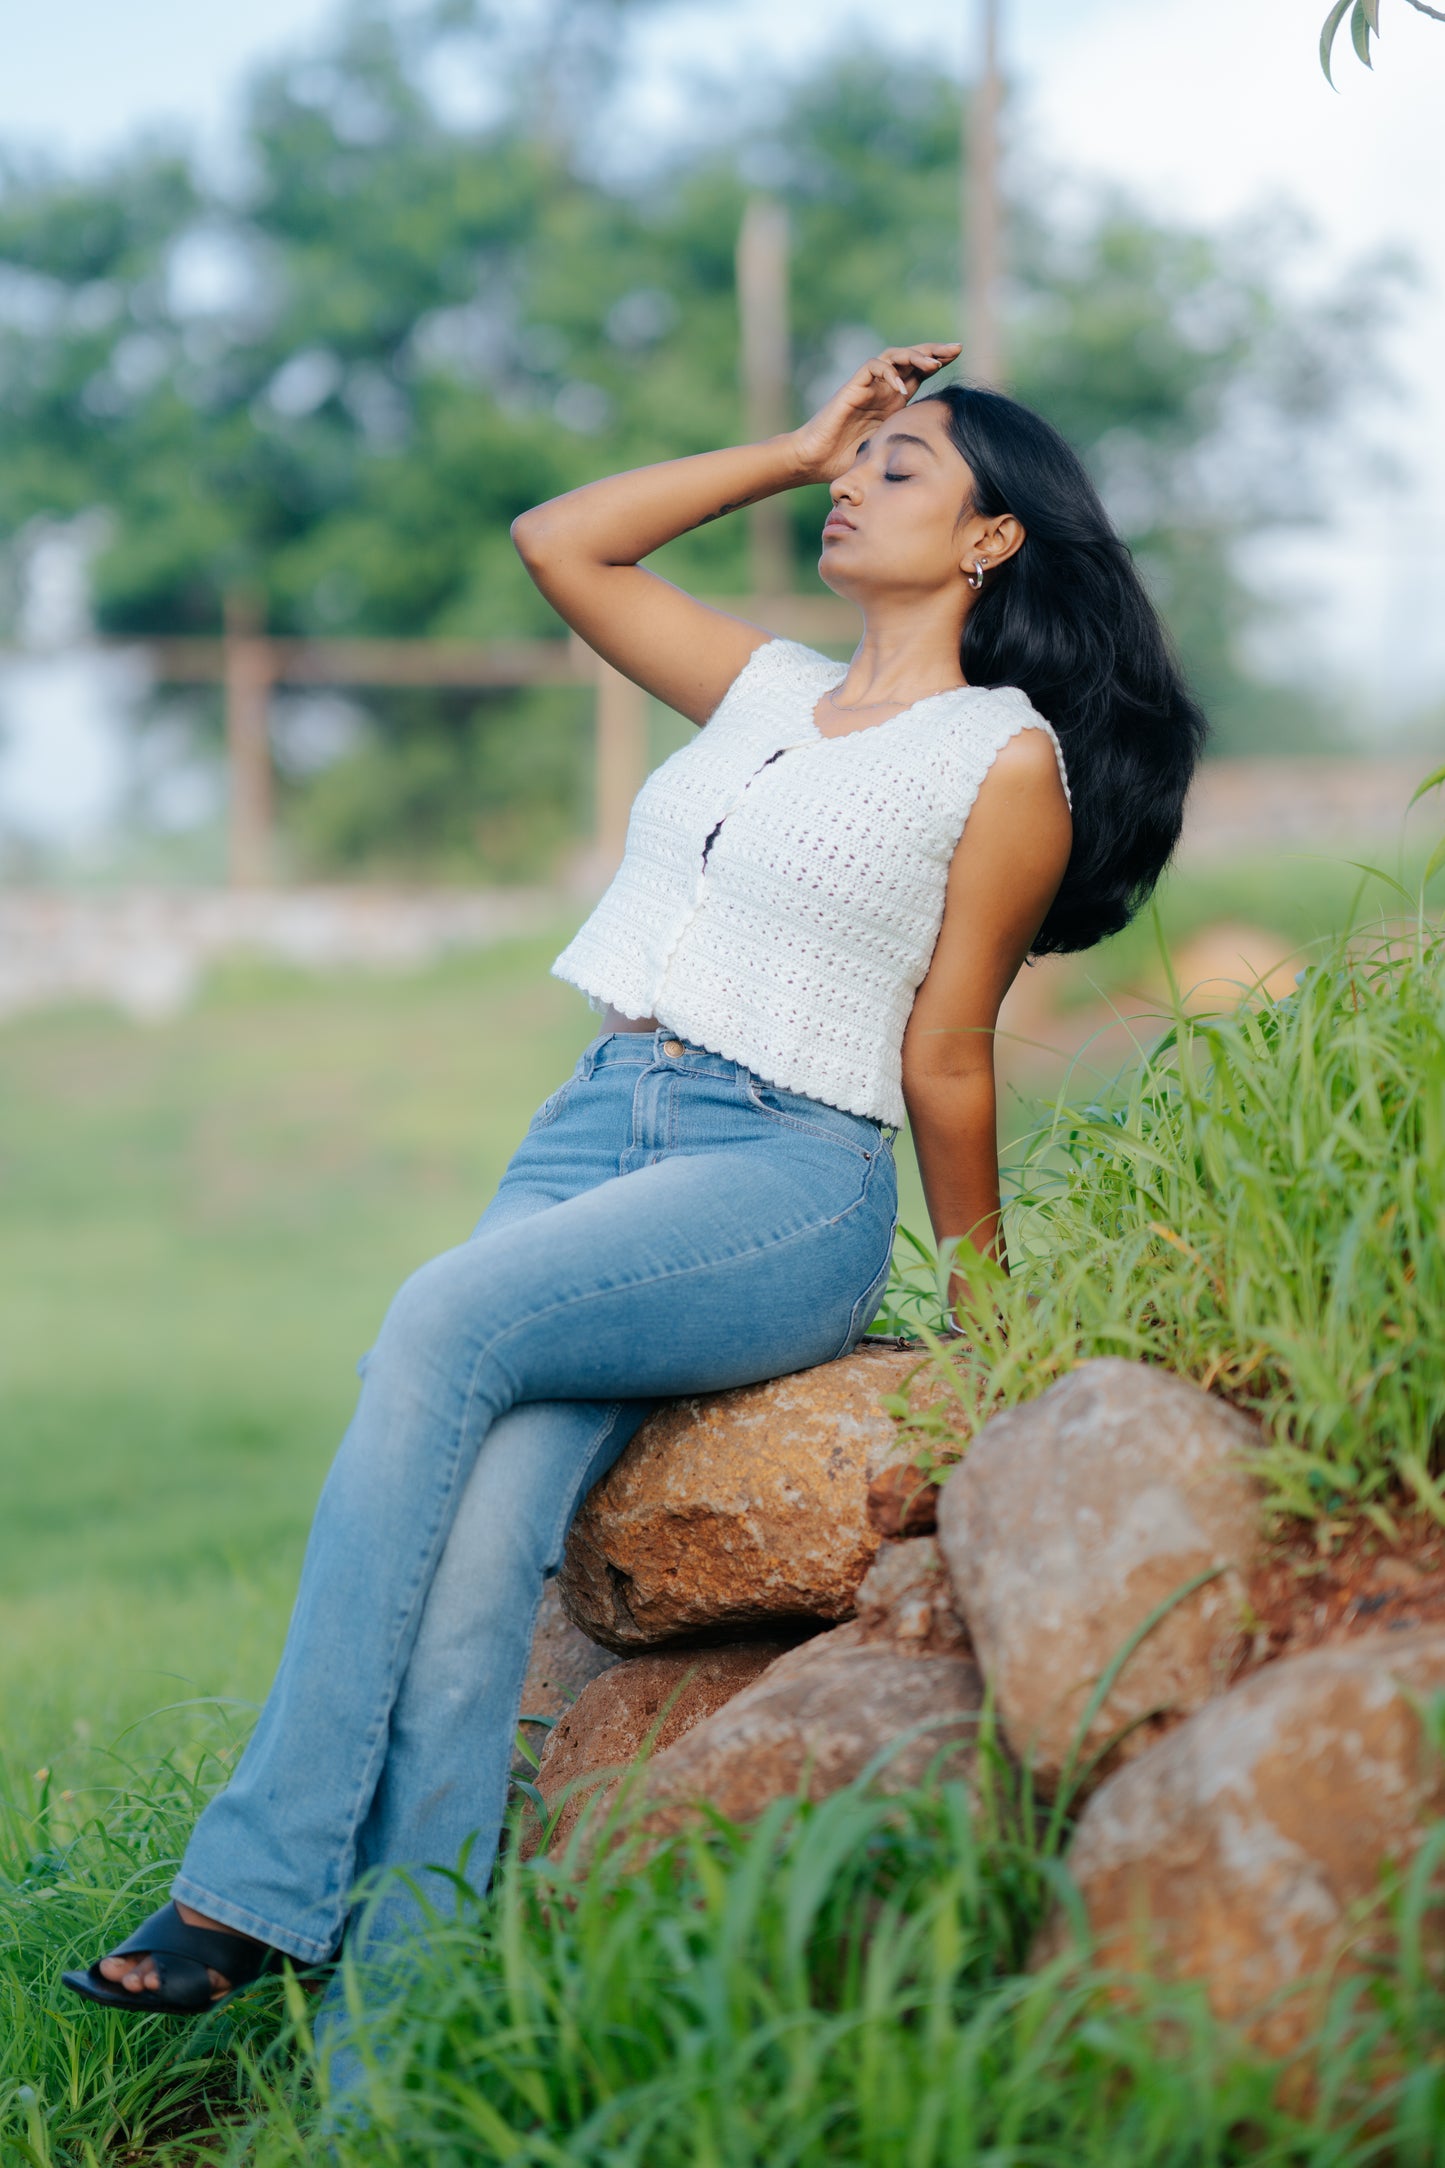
901 517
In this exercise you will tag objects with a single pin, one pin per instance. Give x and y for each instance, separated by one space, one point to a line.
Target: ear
993 541
1005 537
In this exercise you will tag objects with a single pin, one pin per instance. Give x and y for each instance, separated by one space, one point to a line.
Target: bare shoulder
1030 761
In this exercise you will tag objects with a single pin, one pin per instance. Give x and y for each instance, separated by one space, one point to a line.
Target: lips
836 523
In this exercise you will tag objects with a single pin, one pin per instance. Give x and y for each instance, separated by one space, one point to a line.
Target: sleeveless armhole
1019 713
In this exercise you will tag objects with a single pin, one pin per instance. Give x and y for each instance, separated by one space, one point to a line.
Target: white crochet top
782 911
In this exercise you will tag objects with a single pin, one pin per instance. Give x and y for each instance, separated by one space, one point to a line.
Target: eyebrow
901 436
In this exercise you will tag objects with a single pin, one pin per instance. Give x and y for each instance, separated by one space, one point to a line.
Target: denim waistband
667 1049
659 1046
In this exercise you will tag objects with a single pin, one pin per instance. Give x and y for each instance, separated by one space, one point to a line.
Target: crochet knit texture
782 912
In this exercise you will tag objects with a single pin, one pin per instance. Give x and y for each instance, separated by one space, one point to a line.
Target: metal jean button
674 1047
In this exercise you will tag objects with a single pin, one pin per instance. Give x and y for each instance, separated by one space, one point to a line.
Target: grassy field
203 1222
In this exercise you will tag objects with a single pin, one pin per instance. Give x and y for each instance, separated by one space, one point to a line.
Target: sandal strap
165 1934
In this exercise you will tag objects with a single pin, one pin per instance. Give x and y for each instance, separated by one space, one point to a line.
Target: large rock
895 1682
1236 1851
731 1511
643 1702
1070 1521
906 1604
563 1660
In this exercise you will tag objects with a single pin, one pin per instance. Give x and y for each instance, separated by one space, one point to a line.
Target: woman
824 898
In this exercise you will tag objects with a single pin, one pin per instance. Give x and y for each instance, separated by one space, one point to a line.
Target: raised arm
1005 874
584 549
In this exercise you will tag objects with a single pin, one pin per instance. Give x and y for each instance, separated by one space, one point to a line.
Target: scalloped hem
786 1077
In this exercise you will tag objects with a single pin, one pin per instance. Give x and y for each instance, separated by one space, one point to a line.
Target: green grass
203 1222
1300 896
846 1986
1258 1204
842 1986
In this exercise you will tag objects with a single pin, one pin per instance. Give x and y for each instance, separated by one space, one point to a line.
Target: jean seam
874 1289
561 1522
656 1279
375 1736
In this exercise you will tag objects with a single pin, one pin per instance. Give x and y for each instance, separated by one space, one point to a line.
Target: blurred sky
1209 112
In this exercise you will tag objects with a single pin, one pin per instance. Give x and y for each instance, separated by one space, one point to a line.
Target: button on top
673 1047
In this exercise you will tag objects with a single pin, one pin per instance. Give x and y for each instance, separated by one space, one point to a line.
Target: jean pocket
811 1117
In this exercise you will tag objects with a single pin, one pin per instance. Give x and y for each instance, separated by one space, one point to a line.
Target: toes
139 1976
135 1974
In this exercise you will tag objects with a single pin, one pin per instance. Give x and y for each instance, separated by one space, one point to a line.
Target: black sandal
181 1955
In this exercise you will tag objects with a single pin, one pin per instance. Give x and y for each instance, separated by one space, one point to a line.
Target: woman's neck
906 653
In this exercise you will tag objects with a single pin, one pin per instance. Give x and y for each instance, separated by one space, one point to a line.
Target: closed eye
898 477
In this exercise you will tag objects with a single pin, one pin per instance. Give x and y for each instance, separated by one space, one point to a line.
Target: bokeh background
302 786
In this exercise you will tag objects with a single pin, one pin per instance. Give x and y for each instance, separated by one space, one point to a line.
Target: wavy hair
1067 620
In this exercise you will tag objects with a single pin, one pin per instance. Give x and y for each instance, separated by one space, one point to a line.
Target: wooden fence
250 665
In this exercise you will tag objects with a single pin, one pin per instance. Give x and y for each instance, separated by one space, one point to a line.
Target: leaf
1360 33
1328 35
1372 14
1412 1467
1376 873
1433 863
1431 782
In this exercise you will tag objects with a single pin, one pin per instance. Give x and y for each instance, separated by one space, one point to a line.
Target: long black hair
1066 619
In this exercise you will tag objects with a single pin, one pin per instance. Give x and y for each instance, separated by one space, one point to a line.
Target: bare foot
137 1974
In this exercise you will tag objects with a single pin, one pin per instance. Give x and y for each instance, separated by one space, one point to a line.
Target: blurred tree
428 307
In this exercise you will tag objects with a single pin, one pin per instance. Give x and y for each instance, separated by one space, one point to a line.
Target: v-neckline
828 737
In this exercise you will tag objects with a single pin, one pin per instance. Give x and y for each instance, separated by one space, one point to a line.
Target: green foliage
1364 21
499 797
76 2085
337 384
1258 1204
204 1219
843 1984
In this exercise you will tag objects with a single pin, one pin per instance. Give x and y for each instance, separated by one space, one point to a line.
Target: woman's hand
826 445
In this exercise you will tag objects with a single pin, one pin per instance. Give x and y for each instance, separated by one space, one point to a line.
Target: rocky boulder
730 1512
894 1686
1239 1849
643 1702
1075 1517
562 1662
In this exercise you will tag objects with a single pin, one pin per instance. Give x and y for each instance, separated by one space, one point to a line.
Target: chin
832 574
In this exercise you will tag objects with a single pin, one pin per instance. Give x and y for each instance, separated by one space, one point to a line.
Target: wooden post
762 280
621 760
981 224
247 675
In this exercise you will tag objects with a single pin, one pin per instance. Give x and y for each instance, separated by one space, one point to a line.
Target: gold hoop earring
975 578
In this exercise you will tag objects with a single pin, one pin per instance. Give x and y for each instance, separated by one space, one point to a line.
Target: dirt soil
1314 1590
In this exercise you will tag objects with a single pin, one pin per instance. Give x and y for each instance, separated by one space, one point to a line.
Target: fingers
922 360
891 366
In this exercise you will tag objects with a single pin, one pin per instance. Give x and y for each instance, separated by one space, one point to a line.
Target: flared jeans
669 1224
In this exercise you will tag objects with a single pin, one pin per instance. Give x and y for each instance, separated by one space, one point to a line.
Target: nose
844 485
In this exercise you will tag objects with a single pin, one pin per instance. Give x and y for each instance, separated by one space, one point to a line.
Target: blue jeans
669 1224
